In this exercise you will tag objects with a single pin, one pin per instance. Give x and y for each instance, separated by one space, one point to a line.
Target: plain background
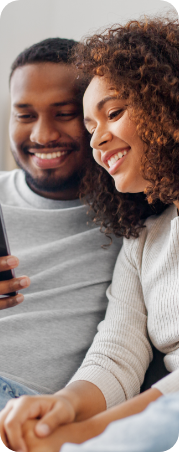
25 22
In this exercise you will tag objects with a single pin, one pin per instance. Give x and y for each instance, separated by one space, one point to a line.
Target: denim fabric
154 430
10 389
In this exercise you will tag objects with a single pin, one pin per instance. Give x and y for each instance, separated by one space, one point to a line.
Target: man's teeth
52 155
116 157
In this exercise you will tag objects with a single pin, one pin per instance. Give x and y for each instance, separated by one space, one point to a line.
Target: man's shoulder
7 185
7 175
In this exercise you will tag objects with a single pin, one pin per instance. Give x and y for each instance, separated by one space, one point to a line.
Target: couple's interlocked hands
25 421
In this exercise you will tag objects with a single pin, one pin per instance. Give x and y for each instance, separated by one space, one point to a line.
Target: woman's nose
98 141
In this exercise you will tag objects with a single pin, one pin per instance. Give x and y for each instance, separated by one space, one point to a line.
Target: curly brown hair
141 60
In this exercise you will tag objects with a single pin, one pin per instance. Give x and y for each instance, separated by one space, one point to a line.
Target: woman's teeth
116 157
52 155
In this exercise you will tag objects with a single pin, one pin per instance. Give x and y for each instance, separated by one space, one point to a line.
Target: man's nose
99 140
44 132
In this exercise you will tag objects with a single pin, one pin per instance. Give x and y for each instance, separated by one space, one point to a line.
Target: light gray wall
24 22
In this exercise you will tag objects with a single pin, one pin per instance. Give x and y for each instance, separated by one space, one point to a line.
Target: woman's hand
72 433
11 285
80 400
22 436
57 409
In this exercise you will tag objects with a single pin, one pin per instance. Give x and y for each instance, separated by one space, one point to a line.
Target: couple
131 112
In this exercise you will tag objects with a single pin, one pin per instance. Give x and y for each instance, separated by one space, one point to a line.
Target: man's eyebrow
100 106
66 102
20 105
55 104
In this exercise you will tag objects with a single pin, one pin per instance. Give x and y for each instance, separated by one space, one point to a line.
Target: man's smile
47 160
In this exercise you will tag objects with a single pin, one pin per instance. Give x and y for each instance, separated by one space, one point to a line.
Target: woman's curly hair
141 61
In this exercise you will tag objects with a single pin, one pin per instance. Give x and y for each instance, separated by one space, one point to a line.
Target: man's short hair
54 50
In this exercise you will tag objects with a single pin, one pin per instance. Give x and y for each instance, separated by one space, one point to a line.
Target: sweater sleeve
121 352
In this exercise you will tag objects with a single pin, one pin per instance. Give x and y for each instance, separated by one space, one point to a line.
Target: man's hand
55 409
12 285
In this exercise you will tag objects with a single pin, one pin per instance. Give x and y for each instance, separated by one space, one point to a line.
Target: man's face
47 136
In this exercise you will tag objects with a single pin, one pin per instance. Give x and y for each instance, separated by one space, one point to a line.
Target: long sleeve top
60 249
143 309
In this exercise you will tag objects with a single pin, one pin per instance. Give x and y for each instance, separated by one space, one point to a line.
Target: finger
8 262
60 414
23 409
33 443
3 415
10 302
14 284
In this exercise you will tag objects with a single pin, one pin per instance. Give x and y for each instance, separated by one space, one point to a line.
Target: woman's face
116 145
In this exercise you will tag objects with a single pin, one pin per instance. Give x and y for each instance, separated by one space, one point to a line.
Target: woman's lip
117 164
50 163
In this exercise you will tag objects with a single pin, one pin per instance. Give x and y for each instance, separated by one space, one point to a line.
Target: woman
131 109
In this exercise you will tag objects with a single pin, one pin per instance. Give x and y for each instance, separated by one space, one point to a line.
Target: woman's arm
85 430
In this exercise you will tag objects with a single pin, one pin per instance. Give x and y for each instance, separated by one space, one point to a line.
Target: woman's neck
177 206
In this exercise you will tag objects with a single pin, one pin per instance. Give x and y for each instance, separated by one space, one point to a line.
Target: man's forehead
35 79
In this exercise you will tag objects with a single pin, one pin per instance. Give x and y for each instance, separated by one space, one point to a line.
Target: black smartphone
5 251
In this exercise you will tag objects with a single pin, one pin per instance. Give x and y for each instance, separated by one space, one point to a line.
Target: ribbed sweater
143 309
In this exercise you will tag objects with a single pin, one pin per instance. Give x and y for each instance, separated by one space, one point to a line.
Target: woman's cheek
97 156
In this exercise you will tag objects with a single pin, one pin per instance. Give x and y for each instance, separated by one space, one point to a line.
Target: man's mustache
38 147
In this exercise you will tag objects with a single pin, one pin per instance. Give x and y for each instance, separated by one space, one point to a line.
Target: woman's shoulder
156 228
164 219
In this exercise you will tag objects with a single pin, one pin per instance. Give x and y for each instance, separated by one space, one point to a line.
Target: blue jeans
154 430
10 389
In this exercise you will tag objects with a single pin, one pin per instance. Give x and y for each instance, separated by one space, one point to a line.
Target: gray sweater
44 339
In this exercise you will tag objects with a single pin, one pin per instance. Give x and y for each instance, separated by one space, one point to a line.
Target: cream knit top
143 304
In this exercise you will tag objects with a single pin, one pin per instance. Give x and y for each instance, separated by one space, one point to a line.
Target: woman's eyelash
110 116
114 114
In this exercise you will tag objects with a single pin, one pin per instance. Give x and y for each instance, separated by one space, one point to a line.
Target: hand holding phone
9 284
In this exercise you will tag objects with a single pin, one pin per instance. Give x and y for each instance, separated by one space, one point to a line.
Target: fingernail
23 282
43 429
19 298
11 261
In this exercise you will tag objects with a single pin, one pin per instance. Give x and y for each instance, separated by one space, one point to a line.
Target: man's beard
50 184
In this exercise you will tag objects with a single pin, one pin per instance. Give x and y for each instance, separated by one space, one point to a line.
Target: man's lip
48 150
105 157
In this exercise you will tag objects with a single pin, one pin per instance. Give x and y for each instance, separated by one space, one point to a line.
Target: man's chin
49 184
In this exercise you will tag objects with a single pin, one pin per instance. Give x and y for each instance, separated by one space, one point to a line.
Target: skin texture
38 124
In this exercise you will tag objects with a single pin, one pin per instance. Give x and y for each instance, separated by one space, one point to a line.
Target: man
44 339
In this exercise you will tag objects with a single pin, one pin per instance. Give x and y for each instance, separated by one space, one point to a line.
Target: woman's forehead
98 89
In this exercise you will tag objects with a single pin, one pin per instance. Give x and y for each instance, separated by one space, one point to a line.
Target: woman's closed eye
116 113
